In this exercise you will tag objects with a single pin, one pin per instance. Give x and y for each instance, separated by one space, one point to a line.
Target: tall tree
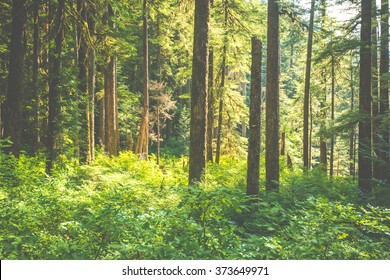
222 86
110 101
272 92
197 162
352 159
374 93
35 83
306 147
91 88
12 110
55 60
365 142
210 107
83 84
142 146
252 179
323 146
333 78
384 89
111 114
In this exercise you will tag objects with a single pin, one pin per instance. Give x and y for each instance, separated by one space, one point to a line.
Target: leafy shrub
124 208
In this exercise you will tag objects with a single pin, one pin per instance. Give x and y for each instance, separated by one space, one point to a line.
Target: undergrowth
124 208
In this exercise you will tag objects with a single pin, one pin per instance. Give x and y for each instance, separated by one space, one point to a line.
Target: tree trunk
91 93
55 61
272 103
307 90
35 84
384 90
143 135
12 108
365 143
111 133
222 87
111 139
331 160
352 134
158 135
243 122
323 111
252 179
197 162
310 129
210 113
283 144
323 148
374 93
83 83
101 135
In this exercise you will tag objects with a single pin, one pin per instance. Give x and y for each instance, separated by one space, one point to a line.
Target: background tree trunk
12 109
323 144
384 90
210 107
331 160
36 99
272 103
252 179
222 86
83 83
352 134
142 147
111 140
374 93
307 90
91 91
197 162
55 61
365 143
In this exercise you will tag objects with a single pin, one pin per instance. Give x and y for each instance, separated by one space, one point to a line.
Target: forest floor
123 208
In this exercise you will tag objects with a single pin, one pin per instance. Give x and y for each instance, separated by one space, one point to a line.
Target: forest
194 129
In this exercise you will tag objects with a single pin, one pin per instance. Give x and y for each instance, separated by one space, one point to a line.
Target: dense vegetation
194 129
123 208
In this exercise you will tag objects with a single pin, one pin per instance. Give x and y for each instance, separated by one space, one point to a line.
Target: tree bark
55 61
111 133
272 92
143 135
352 134
101 135
243 122
111 140
384 90
35 83
222 87
91 92
252 179
365 143
331 160
83 83
283 145
197 162
210 107
374 93
323 111
12 109
323 146
307 90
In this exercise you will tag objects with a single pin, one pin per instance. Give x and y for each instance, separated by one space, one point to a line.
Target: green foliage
124 208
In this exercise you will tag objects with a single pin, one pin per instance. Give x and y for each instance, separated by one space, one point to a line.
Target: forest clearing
194 129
